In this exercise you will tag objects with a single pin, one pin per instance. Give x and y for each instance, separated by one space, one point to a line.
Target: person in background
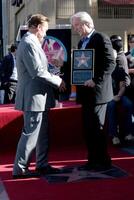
34 97
121 81
130 59
130 53
96 92
2 92
9 75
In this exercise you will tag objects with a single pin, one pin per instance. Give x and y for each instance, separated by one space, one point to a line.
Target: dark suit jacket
104 64
6 68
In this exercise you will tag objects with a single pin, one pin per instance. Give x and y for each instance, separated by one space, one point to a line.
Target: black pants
95 134
10 92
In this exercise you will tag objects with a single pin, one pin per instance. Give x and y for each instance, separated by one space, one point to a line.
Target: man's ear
39 26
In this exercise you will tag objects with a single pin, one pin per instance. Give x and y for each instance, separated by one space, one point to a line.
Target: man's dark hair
131 39
116 42
13 48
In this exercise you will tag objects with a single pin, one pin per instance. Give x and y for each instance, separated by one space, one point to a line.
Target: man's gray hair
84 17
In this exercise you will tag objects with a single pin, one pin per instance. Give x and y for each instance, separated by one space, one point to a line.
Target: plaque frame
82 68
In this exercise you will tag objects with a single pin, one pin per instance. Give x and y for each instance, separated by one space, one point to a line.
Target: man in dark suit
97 92
9 75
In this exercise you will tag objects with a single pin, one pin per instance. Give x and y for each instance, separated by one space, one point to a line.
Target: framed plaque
82 66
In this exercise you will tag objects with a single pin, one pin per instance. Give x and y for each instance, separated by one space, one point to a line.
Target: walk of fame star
74 174
82 60
3 193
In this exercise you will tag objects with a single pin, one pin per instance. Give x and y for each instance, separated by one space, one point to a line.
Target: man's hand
117 98
62 87
131 71
57 62
89 83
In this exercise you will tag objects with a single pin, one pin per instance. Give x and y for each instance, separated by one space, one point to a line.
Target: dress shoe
86 167
26 174
95 167
116 141
47 170
129 137
100 167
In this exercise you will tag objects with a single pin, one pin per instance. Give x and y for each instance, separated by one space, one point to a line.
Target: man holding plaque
96 92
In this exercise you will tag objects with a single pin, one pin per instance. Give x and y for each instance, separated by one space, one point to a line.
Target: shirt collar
34 38
89 35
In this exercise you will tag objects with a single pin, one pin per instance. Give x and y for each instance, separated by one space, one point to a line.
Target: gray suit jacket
35 83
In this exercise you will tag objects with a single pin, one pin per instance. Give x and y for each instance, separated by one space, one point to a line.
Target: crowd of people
28 83
120 126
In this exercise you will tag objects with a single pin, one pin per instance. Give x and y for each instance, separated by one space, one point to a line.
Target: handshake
62 87
57 62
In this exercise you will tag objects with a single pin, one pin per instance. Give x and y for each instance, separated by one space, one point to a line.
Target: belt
15 81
